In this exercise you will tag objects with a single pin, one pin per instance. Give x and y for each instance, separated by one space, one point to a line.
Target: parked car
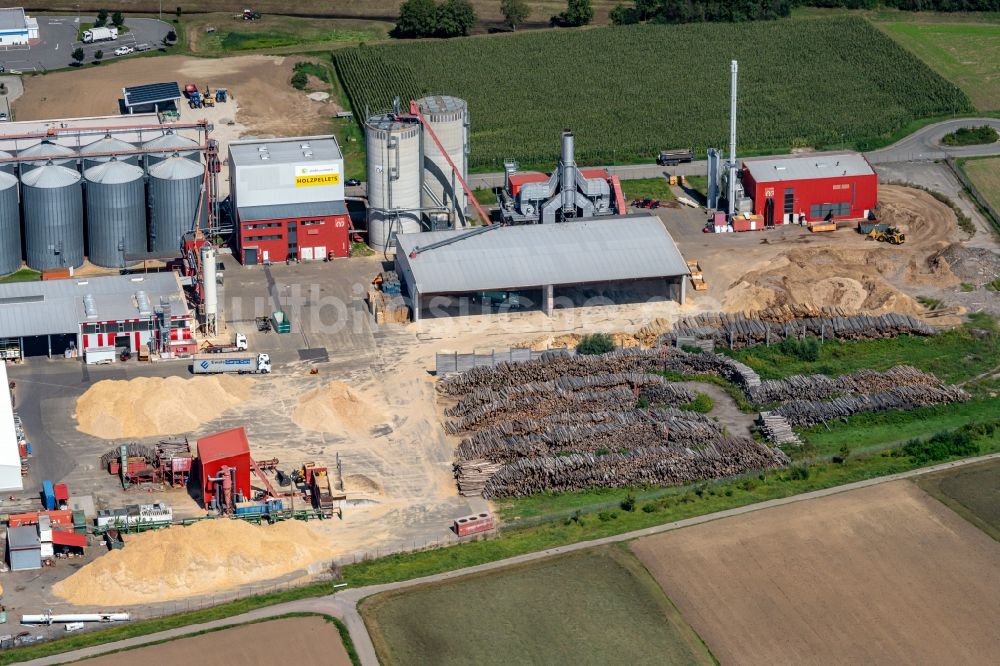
124 50
142 47
3 117
352 182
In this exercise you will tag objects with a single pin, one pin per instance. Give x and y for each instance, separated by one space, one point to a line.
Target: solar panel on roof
152 93
34 298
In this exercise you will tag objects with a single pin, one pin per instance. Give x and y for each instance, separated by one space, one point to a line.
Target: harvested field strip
907 580
594 607
316 641
973 492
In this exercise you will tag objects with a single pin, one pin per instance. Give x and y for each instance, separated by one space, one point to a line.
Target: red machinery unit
787 190
227 449
58 518
474 524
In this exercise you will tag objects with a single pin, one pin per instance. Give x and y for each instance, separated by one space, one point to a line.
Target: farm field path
343 605
843 579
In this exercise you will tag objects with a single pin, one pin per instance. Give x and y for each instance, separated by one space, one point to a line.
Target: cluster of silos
114 196
411 186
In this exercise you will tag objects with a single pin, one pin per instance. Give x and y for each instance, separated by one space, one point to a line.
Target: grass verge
647 188
22 275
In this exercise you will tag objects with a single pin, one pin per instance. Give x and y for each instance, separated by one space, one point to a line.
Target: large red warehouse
229 448
786 189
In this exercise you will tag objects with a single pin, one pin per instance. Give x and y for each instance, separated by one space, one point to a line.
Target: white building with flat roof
17 28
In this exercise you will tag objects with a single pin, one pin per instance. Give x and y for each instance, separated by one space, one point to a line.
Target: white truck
213 364
239 343
99 35
100 355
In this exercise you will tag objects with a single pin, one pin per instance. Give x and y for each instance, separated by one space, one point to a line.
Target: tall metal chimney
567 174
733 68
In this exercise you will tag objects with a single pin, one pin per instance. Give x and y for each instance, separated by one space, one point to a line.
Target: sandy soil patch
266 102
337 408
206 557
880 575
315 641
153 406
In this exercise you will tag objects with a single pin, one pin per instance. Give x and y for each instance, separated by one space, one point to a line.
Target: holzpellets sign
317 174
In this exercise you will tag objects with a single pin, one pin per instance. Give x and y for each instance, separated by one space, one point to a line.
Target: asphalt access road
344 605
58 40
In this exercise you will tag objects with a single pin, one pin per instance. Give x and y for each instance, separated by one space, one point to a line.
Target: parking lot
58 40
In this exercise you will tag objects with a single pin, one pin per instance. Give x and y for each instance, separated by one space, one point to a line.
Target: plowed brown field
883 575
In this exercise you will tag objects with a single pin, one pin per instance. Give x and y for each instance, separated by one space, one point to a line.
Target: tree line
455 18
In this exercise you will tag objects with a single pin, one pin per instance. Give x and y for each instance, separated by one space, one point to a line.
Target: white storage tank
10 225
53 217
448 117
107 145
172 144
175 197
47 153
393 158
116 212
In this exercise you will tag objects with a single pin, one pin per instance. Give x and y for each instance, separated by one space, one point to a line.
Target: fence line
991 214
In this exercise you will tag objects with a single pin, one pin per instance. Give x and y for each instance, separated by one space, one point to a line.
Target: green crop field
967 54
593 607
973 492
629 91
985 174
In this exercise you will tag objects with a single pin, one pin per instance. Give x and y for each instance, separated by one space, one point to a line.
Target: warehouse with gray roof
589 262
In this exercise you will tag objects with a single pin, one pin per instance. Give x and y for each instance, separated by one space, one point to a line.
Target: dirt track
268 105
308 640
880 575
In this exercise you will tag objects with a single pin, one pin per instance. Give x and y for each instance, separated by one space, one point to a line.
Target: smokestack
567 173
734 68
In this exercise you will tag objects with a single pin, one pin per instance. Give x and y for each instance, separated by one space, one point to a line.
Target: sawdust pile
152 406
180 562
359 483
336 408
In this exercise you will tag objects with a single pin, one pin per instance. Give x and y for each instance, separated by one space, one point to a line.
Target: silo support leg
547 299
683 289
416 307
49 339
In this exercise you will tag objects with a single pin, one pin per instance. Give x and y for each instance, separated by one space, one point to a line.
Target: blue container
29 447
48 495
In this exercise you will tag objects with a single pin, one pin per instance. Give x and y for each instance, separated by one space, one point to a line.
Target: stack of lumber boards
388 308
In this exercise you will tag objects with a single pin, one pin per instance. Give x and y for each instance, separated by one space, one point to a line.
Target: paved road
57 35
922 145
343 605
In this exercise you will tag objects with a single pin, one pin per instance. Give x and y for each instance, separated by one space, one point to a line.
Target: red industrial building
230 449
786 190
288 199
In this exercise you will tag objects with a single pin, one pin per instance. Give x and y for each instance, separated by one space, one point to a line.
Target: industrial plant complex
255 336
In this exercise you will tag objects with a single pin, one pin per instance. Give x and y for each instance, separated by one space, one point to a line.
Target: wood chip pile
805 413
821 386
652 465
736 330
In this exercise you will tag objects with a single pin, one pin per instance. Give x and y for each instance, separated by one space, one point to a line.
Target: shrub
971 136
595 343
702 404
798 472
605 516
940 446
628 504
299 80
648 508
807 349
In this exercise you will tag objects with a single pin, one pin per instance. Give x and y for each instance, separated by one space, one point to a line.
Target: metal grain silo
107 145
47 153
448 117
53 217
10 225
393 152
116 212
172 145
8 167
175 192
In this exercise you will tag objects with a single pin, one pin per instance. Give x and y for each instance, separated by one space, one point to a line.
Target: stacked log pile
618 399
654 465
737 330
777 429
805 413
822 386
472 475
652 386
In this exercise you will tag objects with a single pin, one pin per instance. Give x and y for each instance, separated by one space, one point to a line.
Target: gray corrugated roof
282 211
113 172
285 151
56 306
51 176
812 166
25 536
12 19
630 247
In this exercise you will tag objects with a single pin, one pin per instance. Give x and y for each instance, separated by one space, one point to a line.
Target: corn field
632 90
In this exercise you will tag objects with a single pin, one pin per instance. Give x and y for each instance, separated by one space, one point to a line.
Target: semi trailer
211 364
99 35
